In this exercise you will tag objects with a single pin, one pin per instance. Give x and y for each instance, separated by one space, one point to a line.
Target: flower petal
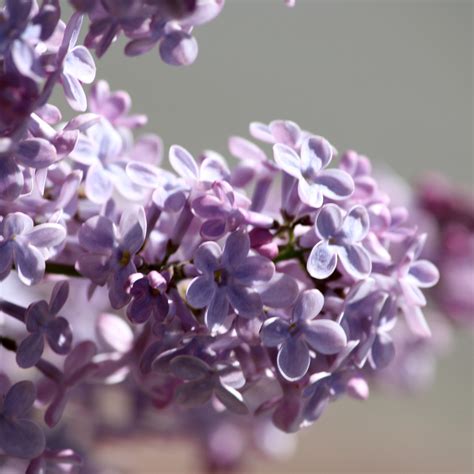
245 301
183 163
30 264
274 332
143 174
246 150
325 336
322 261
195 393
383 351
11 179
236 249
287 159
59 296
309 305
97 234
98 185
355 260
36 153
30 350
59 335
423 273
132 229
22 438
16 223
79 64
293 359
75 95
232 399
188 367
217 310
19 399
316 152
328 221
254 268
200 292
46 235
280 292
213 229
310 194
206 257
336 184
356 224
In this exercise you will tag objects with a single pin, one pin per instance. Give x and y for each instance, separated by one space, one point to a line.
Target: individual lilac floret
293 337
227 278
78 65
203 381
149 297
19 437
314 181
43 323
341 235
413 274
27 246
111 251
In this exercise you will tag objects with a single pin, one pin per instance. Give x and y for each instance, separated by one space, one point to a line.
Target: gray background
392 79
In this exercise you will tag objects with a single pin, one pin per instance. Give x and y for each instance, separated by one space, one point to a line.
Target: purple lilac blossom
226 278
260 303
295 337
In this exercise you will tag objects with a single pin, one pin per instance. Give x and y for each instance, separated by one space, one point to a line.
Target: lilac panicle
235 297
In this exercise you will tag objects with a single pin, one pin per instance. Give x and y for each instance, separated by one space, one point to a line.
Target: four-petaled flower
314 182
111 251
341 235
295 338
19 437
227 278
43 323
27 246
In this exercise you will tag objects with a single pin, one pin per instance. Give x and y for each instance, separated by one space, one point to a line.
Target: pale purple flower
314 181
149 297
43 323
413 274
296 337
26 246
341 235
77 65
111 251
226 279
19 436
204 381
212 168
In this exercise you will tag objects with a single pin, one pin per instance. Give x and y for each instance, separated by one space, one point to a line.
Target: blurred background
391 79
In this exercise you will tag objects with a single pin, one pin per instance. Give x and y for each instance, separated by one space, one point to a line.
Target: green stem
61 269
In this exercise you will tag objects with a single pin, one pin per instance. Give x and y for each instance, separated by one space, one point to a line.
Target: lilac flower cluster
237 300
